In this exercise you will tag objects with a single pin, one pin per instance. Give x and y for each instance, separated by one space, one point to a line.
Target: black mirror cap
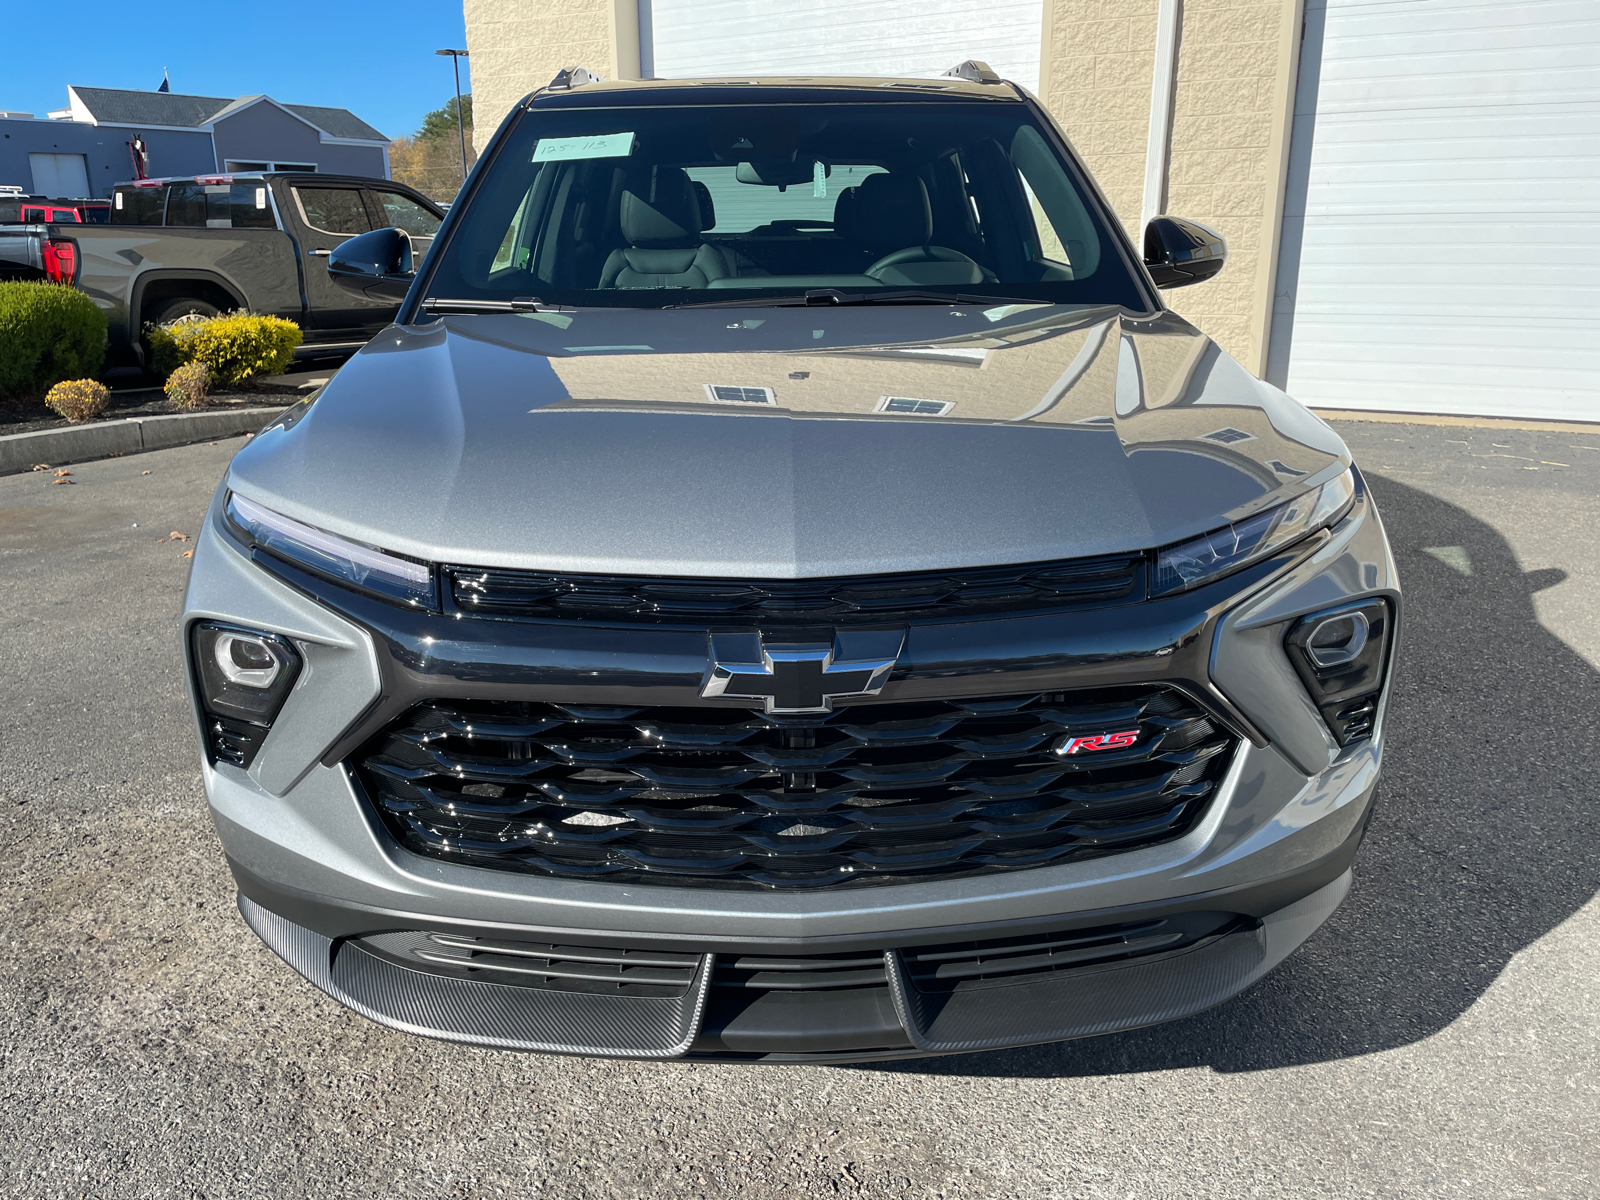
1178 252
375 266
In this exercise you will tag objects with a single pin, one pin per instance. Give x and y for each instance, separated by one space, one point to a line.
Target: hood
786 442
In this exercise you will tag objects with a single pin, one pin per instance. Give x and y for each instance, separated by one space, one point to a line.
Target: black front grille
730 798
1039 587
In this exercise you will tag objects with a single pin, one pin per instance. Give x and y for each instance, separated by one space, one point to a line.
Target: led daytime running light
328 554
1213 554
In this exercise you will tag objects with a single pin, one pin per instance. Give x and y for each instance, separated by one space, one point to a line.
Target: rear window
733 207
219 206
639 206
138 206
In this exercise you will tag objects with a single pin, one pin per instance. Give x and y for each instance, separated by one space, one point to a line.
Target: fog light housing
1342 656
243 678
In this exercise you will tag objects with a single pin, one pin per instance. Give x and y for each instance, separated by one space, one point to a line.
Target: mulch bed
25 416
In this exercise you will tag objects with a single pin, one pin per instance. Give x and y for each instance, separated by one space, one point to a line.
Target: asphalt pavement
1437 1038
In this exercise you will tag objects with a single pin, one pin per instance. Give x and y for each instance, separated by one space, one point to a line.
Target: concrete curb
132 435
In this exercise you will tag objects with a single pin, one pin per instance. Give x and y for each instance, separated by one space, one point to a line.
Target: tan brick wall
519 45
1096 81
1222 162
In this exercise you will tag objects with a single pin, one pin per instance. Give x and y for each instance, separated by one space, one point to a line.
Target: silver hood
597 441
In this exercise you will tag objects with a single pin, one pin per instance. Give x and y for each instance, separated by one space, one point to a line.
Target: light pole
455 57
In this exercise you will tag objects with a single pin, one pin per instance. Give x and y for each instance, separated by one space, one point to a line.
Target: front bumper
891 1019
1270 858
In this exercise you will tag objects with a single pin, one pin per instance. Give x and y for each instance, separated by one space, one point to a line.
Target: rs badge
1099 741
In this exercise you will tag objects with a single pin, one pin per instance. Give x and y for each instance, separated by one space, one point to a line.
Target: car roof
771 89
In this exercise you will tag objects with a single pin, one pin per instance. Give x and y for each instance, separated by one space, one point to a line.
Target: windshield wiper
833 297
516 304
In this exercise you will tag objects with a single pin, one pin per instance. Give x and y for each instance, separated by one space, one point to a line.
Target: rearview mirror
780 173
374 266
1178 252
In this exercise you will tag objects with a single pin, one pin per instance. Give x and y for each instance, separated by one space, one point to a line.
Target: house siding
104 148
264 132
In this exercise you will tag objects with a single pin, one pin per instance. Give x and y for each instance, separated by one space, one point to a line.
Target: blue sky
376 60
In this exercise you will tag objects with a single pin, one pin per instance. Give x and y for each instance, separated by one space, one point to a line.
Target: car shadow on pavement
1486 835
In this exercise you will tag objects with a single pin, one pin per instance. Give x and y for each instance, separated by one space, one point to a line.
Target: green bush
235 346
79 400
47 333
187 386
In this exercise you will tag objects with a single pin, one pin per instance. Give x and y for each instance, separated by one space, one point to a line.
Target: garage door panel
1438 247
1465 18
1449 239
689 38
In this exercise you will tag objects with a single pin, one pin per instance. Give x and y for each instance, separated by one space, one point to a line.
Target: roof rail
571 77
974 71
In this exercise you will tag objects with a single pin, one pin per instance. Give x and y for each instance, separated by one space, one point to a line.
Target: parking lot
1438 1037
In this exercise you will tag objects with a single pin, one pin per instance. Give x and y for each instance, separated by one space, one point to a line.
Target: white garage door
60 176
682 39
1440 248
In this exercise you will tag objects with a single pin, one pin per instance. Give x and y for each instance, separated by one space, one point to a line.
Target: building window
1228 436
914 408
309 168
234 164
723 394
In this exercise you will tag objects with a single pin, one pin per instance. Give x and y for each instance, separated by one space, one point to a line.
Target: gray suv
786 588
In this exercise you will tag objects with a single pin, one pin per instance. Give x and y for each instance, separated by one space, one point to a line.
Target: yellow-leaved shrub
187 386
235 346
78 400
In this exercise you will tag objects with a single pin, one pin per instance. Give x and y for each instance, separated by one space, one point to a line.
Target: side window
138 206
401 211
333 210
1066 232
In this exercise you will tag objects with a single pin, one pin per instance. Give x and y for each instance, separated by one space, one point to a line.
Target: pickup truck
34 210
212 243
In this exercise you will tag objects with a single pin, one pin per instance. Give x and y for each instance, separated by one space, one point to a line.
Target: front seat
661 222
889 216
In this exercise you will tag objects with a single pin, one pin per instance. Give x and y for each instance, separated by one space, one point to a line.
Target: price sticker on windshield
605 145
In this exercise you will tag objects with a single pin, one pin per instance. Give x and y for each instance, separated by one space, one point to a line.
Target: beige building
1408 190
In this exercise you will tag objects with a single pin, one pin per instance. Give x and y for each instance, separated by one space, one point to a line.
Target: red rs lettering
1101 741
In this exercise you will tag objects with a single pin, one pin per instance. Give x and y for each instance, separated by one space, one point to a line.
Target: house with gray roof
83 149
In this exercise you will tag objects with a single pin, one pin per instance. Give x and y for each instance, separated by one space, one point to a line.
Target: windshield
656 206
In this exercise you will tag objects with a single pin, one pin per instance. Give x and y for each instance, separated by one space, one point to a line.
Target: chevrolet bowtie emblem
801 677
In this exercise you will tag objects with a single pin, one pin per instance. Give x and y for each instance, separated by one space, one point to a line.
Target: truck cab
206 244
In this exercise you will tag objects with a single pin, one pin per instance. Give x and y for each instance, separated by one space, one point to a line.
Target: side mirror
374 266
1178 252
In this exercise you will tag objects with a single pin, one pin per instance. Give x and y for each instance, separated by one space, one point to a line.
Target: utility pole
455 57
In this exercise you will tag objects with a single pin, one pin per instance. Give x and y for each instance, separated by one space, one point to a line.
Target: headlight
366 567
1341 655
1202 559
243 676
